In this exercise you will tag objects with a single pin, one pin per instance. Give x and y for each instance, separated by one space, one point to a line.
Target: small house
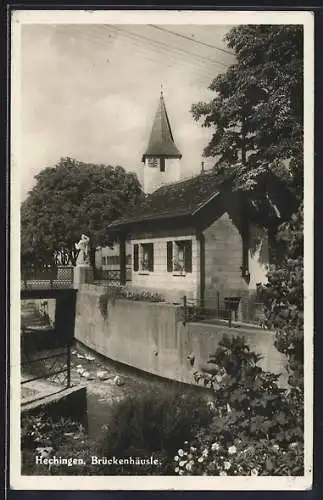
197 237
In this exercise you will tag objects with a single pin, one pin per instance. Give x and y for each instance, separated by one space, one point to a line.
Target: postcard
161 250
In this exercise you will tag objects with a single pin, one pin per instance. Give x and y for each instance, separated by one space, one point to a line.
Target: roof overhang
166 156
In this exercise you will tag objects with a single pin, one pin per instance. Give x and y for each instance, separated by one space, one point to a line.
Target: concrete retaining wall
152 337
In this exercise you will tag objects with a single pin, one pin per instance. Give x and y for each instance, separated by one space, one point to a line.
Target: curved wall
152 337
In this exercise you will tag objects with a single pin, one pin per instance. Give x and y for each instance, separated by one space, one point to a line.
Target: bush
251 413
154 423
43 430
42 435
121 292
243 458
283 297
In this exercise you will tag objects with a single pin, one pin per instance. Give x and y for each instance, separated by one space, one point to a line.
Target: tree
284 298
69 199
257 115
257 112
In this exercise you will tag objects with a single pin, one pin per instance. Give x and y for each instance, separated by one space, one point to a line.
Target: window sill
143 273
175 273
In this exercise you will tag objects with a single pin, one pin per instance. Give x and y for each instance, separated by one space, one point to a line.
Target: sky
90 92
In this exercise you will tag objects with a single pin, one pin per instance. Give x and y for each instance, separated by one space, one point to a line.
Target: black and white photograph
161 250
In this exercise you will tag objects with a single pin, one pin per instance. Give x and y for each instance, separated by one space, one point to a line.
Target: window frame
176 266
143 258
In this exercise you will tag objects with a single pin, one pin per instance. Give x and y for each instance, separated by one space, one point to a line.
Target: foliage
153 423
69 199
251 412
46 437
43 430
120 292
257 110
243 458
283 297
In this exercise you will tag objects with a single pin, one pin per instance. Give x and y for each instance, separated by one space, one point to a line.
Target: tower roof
161 142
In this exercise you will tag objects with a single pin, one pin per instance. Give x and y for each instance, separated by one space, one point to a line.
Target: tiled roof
172 200
161 142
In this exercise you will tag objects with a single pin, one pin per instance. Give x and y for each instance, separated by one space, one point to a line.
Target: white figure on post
83 247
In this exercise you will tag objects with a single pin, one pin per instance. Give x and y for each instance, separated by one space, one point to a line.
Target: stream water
102 394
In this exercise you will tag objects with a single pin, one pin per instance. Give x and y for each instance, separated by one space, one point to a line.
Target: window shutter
136 257
169 256
151 257
188 256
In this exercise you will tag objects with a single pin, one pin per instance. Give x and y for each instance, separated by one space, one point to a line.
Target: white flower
176 458
176 469
182 463
227 465
181 472
232 450
215 447
181 453
44 452
200 459
253 472
276 447
223 473
211 405
189 466
190 456
185 442
205 452
192 448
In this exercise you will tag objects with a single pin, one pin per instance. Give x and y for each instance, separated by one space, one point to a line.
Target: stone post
83 273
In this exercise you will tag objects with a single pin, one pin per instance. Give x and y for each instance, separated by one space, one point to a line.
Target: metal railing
106 276
53 366
210 309
47 277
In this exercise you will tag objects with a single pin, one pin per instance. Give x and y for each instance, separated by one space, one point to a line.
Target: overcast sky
91 91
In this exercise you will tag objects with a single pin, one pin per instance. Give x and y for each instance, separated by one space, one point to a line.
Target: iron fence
211 309
104 276
53 366
47 277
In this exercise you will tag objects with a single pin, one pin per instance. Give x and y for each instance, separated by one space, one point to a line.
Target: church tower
162 158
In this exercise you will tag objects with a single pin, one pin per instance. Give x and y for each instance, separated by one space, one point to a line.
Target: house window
179 256
143 257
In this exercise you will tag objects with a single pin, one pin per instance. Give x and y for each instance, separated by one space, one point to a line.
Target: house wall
223 260
104 252
152 337
172 285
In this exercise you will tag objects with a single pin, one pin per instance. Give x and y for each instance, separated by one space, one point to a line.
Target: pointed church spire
161 142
